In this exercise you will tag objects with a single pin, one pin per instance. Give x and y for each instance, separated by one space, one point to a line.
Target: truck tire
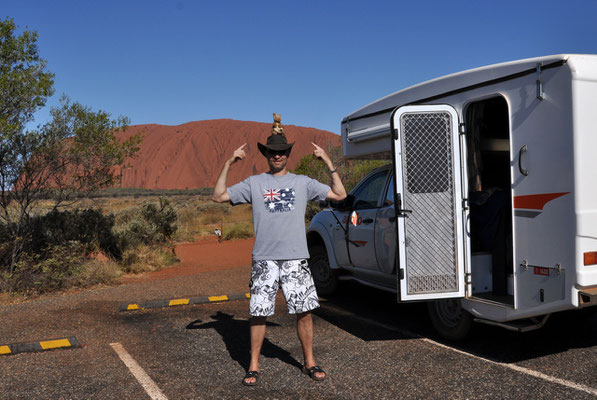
449 319
325 278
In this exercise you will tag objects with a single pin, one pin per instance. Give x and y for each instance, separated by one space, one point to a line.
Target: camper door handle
399 210
522 151
404 213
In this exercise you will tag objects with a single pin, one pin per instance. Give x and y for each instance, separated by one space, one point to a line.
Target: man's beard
274 169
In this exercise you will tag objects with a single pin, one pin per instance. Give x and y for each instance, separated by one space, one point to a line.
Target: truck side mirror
345 204
323 204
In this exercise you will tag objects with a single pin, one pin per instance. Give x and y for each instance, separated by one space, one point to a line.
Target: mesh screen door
428 162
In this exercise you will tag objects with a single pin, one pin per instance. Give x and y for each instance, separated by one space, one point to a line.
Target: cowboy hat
275 143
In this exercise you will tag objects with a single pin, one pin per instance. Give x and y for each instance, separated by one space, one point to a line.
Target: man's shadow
235 333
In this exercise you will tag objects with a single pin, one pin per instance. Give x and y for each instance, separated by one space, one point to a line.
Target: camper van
487 208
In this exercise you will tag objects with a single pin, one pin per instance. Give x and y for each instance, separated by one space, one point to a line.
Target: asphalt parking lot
370 346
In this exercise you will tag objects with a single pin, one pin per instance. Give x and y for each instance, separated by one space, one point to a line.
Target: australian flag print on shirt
279 200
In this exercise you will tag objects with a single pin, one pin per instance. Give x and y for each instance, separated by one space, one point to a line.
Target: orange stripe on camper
535 201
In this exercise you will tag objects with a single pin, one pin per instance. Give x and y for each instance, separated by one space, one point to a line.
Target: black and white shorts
297 284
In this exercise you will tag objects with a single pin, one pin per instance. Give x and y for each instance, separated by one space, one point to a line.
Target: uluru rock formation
191 155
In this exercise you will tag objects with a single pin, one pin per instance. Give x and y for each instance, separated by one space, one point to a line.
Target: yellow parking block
218 298
4 350
248 295
178 302
54 344
133 307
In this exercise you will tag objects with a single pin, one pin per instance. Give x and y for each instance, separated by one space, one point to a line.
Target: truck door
428 201
361 229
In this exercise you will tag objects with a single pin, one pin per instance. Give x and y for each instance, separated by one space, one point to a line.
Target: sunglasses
272 153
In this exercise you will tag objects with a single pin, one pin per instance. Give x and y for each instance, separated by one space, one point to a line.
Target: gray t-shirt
279 204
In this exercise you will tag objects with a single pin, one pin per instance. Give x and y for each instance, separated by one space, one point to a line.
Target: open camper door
429 187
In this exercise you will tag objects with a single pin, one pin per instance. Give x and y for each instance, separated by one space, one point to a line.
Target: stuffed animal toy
277 128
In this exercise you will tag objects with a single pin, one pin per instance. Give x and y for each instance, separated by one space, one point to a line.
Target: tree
25 84
74 154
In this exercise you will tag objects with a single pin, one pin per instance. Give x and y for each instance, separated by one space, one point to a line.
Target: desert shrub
186 214
99 271
59 251
125 215
238 231
146 225
54 252
56 267
146 259
89 227
162 219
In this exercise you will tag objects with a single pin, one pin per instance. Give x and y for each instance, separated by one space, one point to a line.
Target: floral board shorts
297 284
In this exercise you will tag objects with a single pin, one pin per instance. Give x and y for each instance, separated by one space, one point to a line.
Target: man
280 251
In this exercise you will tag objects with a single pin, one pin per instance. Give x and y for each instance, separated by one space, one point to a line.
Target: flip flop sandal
312 371
251 374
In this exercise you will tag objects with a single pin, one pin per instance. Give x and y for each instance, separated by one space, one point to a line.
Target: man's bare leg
257 337
304 328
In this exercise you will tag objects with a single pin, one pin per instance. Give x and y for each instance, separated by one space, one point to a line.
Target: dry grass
146 259
201 216
197 215
100 271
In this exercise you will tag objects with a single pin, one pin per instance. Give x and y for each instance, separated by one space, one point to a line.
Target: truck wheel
449 319
326 281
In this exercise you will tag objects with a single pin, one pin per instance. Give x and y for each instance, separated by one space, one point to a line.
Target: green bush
162 219
88 227
56 267
148 225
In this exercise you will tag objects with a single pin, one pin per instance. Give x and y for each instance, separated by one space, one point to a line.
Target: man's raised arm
337 192
220 193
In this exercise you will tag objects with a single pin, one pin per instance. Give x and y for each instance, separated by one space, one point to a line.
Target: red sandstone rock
191 155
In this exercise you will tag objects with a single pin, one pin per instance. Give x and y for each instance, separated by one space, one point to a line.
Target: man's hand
220 193
238 154
322 155
337 191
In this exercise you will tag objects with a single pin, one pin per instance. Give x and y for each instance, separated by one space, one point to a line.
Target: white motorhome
495 200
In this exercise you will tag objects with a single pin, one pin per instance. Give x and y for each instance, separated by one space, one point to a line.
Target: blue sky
174 61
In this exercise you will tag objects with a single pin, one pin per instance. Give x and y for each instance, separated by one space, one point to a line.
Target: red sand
191 155
201 256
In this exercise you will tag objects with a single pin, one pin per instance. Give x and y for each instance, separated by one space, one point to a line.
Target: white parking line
148 384
536 374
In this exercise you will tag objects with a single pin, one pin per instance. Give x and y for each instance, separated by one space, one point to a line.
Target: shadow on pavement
563 332
235 333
